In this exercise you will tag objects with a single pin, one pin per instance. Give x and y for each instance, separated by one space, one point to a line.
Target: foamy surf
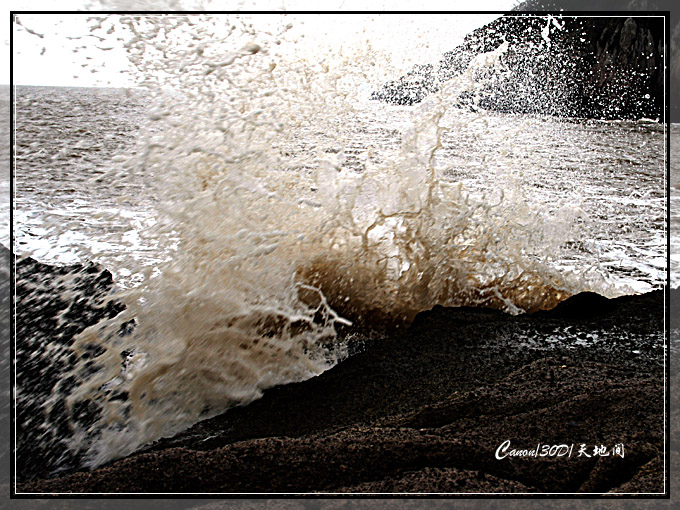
278 208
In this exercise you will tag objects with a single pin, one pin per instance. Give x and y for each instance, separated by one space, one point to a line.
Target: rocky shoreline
584 67
53 305
425 410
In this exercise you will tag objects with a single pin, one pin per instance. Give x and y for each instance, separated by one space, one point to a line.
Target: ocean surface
602 183
250 213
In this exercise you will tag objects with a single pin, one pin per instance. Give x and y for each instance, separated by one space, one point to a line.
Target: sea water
251 203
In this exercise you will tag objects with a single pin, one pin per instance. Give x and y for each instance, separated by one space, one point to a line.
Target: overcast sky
56 57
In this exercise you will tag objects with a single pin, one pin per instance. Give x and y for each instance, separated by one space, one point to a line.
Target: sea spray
284 206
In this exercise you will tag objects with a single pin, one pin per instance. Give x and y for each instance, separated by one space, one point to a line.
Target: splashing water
284 207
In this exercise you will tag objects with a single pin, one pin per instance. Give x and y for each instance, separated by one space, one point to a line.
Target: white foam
260 240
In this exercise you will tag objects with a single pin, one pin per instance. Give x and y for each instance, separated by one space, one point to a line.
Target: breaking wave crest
285 210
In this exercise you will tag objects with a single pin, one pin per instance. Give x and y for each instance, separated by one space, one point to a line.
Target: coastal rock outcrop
53 304
430 408
429 405
589 67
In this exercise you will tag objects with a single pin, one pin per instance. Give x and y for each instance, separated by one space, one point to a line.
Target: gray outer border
400 503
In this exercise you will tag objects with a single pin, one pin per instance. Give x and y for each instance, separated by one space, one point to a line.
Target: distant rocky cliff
594 67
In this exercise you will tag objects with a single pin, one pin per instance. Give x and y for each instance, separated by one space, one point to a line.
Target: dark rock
605 68
420 410
583 305
53 305
425 409
437 448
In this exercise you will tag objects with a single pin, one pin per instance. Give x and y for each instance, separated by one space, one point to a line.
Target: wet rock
53 305
438 448
605 68
426 408
423 409
583 305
